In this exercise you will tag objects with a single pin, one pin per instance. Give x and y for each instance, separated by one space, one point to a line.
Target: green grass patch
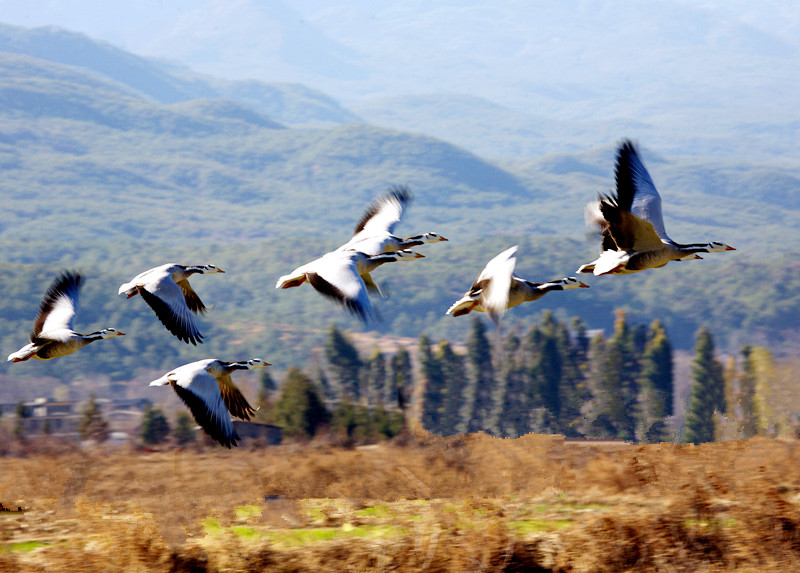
529 526
301 537
23 547
247 511
380 511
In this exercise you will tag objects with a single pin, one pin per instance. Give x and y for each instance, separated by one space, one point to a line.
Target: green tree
265 393
299 408
619 386
155 427
655 382
453 372
375 378
20 413
344 362
512 418
401 379
708 391
92 425
432 407
482 379
184 433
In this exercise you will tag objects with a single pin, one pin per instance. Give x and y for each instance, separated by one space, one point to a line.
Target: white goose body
207 390
634 236
344 276
497 289
52 334
374 233
168 292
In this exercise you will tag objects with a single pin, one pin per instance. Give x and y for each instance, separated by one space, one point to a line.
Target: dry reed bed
662 507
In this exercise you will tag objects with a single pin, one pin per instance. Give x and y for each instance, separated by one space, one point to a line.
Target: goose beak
729 248
419 256
120 333
220 271
581 285
698 257
442 239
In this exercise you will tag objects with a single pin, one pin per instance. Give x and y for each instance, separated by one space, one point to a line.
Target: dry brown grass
470 503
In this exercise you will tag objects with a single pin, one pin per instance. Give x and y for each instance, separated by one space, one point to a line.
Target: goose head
407 255
256 363
430 238
109 333
205 269
717 247
572 282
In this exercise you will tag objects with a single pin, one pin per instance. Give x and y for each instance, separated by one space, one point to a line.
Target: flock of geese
633 239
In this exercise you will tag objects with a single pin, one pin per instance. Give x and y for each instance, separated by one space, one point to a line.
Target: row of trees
553 378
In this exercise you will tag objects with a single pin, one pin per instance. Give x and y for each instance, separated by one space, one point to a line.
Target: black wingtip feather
167 318
204 418
67 284
399 193
328 290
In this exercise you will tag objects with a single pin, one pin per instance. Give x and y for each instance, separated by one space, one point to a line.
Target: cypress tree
184 429
344 362
375 378
155 427
401 379
483 383
453 372
655 381
432 406
92 425
299 408
708 391
512 417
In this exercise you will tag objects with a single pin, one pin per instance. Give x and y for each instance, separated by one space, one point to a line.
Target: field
422 503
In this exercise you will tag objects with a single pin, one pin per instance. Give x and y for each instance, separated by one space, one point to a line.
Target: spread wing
167 300
337 278
384 213
201 393
234 400
495 280
629 232
635 189
192 300
58 308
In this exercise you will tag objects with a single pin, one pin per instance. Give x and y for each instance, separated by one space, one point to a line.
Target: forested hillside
99 178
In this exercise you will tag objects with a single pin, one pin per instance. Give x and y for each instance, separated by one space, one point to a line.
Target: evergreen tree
548 365
375 378
265 393
92 425
344 362
20 413
401 379
155 427
655 382
512 418
708 391
574 391
432 406
754 390
453 372
482 383
619 380
746 395
184 429
299 408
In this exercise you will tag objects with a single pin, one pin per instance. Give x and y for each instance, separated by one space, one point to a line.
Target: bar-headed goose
168 292
344 276
52 334
497 289
374 233
206 388
634 237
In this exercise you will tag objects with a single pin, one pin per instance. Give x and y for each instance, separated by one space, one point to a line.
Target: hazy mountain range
713 77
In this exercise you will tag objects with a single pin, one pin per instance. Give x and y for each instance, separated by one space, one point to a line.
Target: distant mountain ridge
290 103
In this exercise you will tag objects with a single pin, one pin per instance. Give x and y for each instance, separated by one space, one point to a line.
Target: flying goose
206 388
374 232
496 289
168 292
52 334
634 237
344 276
